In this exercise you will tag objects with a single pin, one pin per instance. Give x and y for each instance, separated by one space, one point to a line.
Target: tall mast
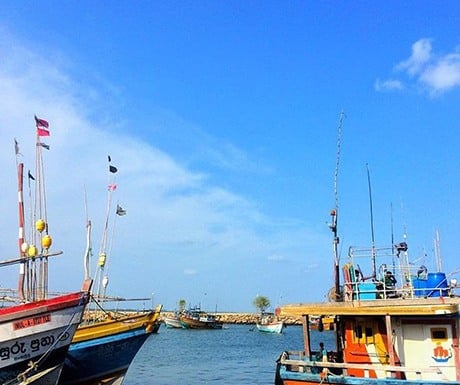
21 236
103 280
374 268
437 250
334 213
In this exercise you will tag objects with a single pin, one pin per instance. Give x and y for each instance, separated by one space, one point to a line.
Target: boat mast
42 222
103 280
374 269
334 215
437 251
88 249
21 237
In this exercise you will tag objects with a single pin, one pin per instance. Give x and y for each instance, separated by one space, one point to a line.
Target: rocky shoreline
241 318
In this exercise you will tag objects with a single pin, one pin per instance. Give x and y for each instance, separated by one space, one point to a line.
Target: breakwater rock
241 318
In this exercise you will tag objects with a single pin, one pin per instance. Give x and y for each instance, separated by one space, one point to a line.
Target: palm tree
262 303
182 304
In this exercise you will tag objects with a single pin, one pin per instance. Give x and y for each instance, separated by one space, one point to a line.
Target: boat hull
188 323
102 352
172 323
299 378
275 327
39 332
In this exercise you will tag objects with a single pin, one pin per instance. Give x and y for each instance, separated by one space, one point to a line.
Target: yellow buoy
32 251
40 225
46 242
101 261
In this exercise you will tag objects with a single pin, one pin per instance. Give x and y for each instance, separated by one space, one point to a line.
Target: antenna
437 251
392 237
334 212
374 270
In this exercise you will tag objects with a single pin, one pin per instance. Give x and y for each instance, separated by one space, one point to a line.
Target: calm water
239 354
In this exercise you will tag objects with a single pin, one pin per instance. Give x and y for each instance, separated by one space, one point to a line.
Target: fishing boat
195 318
106 342
36 332
173 321
269 323
399 335
397 325
101 352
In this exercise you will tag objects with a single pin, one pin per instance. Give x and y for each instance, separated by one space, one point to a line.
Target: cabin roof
410 307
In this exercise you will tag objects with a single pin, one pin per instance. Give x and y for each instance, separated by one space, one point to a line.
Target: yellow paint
121 324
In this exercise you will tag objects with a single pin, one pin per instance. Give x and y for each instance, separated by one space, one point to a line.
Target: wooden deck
398 306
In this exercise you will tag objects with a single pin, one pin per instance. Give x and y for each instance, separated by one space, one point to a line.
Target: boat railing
395 282
366 252
296 361
377 290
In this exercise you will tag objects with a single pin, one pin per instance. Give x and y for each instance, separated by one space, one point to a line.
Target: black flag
120 211
16 147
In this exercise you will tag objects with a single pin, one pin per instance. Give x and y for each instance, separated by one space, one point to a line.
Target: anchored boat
195 318
106 342
101 352
173 322
399 325
270 323
36 333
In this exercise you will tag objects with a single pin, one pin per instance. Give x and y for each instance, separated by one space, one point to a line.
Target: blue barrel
420 286
434 283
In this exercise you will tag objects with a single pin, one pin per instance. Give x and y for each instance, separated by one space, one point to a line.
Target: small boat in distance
174 321
195 318
269 323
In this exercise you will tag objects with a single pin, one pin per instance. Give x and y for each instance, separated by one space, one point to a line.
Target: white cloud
276 257
421 55
388 85
443 75
175 216
435 74
189 271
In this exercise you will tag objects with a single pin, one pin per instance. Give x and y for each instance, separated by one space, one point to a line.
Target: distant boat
101 352
270 324
35 334
197 319
173 322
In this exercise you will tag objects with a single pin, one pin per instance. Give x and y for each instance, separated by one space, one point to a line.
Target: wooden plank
429 306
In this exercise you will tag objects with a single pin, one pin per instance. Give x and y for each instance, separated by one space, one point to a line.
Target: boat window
364 333
439 334
358 332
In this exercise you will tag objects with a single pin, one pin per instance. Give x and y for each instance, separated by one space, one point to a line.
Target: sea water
237 354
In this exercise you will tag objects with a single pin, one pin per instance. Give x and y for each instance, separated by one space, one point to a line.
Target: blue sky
222 119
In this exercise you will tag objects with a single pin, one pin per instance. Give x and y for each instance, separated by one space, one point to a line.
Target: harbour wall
241 318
